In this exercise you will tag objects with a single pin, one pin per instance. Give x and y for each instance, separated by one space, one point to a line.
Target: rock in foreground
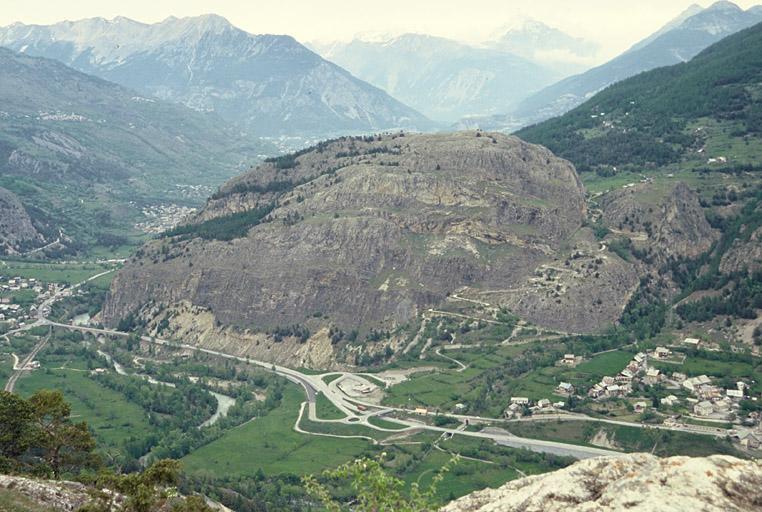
636 482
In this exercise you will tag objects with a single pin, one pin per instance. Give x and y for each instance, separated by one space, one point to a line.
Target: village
159 219
19 299
683 403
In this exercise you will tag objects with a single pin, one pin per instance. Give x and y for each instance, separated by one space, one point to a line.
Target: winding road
356 410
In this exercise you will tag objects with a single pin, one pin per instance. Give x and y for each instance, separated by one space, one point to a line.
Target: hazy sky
616 24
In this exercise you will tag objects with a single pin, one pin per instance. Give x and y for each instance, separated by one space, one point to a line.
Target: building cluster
14 314
521 406
10 312
15 284
569 360
620 385
163 217
709 400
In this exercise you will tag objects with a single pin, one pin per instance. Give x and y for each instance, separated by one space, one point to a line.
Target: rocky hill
265 84
637 482
401 223
397 222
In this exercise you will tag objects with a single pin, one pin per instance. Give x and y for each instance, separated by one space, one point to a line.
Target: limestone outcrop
635 482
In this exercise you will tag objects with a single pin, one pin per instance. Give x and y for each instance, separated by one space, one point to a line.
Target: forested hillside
661 116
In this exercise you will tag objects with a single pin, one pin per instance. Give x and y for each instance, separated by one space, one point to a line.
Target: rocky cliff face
667 222
744 254
637 482
17 233
364 234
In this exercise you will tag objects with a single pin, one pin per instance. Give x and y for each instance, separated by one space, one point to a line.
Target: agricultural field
442 389
66 273
269 443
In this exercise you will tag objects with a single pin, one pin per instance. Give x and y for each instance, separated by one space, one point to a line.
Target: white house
653 375
703 408
734 393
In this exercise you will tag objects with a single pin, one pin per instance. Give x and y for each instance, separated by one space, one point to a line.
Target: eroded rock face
744 254
376 231
636 482
669 222
682 229
17 233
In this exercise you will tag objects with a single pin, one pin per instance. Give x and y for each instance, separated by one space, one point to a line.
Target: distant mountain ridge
547 46
442 78
265 84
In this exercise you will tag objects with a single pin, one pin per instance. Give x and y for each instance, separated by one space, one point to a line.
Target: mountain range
263 84
678 41
440 77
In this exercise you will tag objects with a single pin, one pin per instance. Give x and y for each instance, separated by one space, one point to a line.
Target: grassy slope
445 388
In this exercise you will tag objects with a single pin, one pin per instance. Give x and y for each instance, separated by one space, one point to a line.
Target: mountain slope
668 114
267 84
679 44
442 78
72 145
675 22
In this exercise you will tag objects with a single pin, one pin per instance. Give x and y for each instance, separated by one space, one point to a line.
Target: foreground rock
636 482
33 495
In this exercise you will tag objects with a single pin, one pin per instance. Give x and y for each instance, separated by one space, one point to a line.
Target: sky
615 24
